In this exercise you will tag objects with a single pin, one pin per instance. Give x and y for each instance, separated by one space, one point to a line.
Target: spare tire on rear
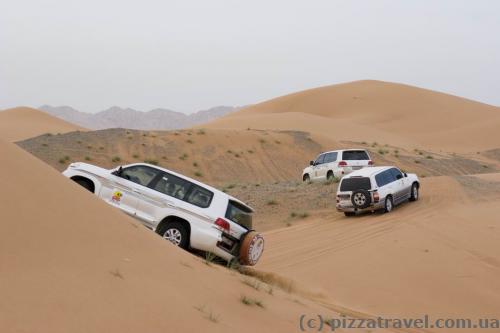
361 199
251 248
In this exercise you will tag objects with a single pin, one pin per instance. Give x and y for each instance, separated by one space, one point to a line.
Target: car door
317 167
401 192
386 182
329 163
166 194
123 189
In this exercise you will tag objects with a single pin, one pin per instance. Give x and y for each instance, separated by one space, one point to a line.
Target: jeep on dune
182 210
336 164
376 188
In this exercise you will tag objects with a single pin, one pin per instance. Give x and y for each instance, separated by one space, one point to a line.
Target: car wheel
414 192
251 248
85 184
177 234
361 199
330 176
349 213
389 204
306 178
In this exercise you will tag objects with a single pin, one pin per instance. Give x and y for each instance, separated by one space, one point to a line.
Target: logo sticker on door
117 196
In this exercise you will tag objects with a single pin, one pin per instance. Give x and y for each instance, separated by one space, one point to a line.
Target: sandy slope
71 263
378 111
23 123
438 256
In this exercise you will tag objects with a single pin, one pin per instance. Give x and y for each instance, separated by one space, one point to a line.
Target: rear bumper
349 207
211 240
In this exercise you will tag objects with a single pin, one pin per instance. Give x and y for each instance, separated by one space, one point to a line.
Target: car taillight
222 224
376 197
370 162
342 163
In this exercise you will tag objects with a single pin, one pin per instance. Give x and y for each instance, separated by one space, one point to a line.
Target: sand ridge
376 110
22 123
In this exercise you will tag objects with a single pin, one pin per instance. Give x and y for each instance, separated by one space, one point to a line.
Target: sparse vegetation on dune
272 202
251 301
151 161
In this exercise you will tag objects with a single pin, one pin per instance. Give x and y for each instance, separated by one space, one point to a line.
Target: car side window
384 178
330 157
380 179
396 173
139 174
172 186
389 176
200 196
320 159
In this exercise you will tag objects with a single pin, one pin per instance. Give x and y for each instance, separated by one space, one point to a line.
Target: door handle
136 191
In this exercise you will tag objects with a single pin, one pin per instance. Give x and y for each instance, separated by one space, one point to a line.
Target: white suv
336 164
376 188
184 211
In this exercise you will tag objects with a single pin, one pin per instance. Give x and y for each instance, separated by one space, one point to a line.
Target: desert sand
377 111
23 122
438 256
79 265
71 263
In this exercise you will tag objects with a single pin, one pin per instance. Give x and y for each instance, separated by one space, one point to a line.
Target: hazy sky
189 55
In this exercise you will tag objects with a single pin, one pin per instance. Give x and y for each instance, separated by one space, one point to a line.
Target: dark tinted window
351 155
240 214
330 157
320 159
385 178
139 174
395 172
199 196
183 190
355 183
172 186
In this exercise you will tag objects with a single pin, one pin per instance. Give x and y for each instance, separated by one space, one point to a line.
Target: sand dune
438 256
71 263
23 123
75 264
377 111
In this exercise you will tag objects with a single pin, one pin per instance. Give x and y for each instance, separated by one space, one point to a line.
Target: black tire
349 214
330 176
176 233
414 192
306 178
388 204
361 199
85 184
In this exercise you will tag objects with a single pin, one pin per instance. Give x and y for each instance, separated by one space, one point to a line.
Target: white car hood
89 168
307 170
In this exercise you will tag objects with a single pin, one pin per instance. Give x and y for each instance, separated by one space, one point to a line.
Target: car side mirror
406 175
311 162
118 172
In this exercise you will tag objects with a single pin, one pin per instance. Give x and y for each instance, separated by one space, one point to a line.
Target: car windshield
240 214
352 155
355 183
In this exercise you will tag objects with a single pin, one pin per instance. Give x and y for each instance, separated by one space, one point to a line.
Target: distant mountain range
116 117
